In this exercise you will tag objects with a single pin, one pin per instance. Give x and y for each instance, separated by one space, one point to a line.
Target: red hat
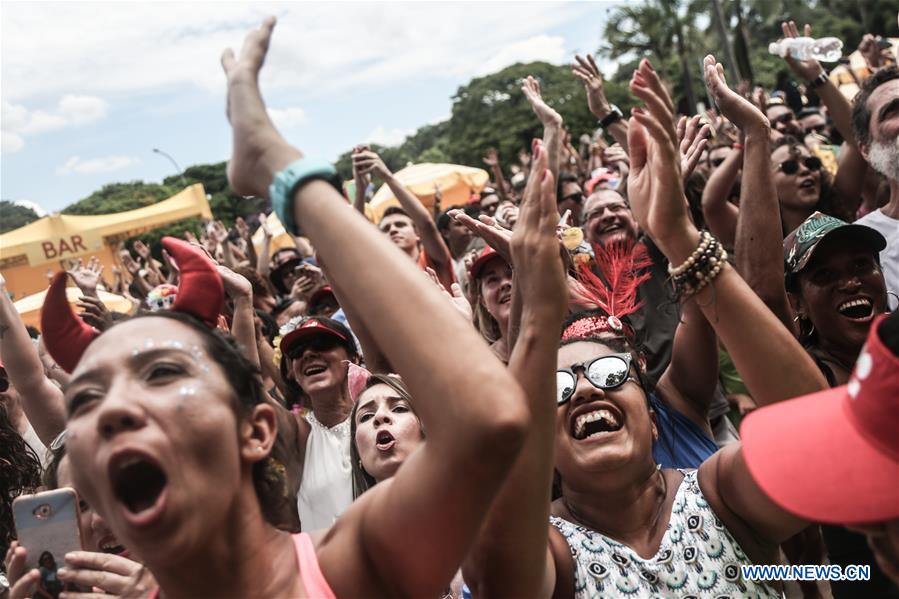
487 254
833 456
316 325
200 294
320 294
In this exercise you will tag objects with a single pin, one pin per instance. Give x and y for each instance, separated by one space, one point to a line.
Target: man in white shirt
875 117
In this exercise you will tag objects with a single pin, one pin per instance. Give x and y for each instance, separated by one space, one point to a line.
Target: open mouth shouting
808 183
859 309
597 423
384 441
139 485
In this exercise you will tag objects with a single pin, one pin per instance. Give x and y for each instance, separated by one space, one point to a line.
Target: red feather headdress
200 294
623 266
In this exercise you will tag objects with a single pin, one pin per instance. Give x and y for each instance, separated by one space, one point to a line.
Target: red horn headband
200 294
66 336
200 289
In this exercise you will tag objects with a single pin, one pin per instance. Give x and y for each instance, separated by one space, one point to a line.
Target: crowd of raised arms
537 394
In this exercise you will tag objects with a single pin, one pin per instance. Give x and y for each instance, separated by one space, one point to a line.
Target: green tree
13 216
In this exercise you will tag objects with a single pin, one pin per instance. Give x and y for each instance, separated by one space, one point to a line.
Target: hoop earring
897 301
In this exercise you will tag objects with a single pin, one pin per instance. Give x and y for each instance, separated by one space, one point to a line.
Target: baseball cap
833 456
312 326
320 294
487 254
800 244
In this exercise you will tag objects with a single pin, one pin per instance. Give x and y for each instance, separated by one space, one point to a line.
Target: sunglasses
319 343
577 198
791 167
816 129
716 162
784 119
604 372
4 384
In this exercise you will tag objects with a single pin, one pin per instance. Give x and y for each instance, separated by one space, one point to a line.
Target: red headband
623 268
200 294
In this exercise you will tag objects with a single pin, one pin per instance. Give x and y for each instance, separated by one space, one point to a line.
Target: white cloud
540 47
33 205
95 165
286 118
388 137
82 109
318 48
11 142
19 122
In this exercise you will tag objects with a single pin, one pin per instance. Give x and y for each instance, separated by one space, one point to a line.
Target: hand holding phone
47 526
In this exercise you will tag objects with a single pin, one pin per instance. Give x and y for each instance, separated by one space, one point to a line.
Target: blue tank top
681 444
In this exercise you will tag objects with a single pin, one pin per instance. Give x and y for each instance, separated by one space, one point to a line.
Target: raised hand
142 250
497 236
655 185
586 70
548 117
242 228
235 285
804 69
693 139
94 313
217 232
491 158
540 276
263 224
259 151
456 298
129 263
737 109
362 179
87 277
367 162
875 56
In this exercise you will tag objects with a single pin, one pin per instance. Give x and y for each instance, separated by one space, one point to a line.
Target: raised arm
362 180
586 70
406 536
772 363
510 556
551 121
491 159
759 239
41 399
838 106
370 163
243 323
720 215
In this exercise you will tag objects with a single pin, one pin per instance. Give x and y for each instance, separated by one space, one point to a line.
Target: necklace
653 521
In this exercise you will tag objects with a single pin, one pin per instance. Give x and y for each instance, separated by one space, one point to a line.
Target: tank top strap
310 572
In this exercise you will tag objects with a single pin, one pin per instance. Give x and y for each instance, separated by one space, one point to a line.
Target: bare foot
259 151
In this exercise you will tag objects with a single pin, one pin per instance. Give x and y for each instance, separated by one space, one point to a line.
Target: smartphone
47 526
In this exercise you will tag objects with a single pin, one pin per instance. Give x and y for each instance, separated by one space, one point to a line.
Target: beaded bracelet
700 268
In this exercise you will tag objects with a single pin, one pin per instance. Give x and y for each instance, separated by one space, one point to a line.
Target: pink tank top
313 579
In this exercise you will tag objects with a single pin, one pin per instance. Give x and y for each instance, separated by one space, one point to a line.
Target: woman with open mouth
170 435
624 525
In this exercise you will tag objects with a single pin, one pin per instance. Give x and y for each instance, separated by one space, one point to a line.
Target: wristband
818 81
292 178
737 146
613 117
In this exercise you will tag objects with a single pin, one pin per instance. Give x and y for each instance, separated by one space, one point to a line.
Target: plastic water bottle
826 49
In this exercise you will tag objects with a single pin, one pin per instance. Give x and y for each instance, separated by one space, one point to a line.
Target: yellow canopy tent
29 308
27 253
455 182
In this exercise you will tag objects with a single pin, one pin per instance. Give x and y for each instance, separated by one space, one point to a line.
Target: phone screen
47 526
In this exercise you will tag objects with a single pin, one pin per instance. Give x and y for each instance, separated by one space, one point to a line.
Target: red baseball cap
487 254
833 456
318 325
320 294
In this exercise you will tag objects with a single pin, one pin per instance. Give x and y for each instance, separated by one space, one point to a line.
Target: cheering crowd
537 394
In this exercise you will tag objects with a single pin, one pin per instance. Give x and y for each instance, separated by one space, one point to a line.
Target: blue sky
89 89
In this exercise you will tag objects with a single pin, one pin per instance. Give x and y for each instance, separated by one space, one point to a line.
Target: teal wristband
292 178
